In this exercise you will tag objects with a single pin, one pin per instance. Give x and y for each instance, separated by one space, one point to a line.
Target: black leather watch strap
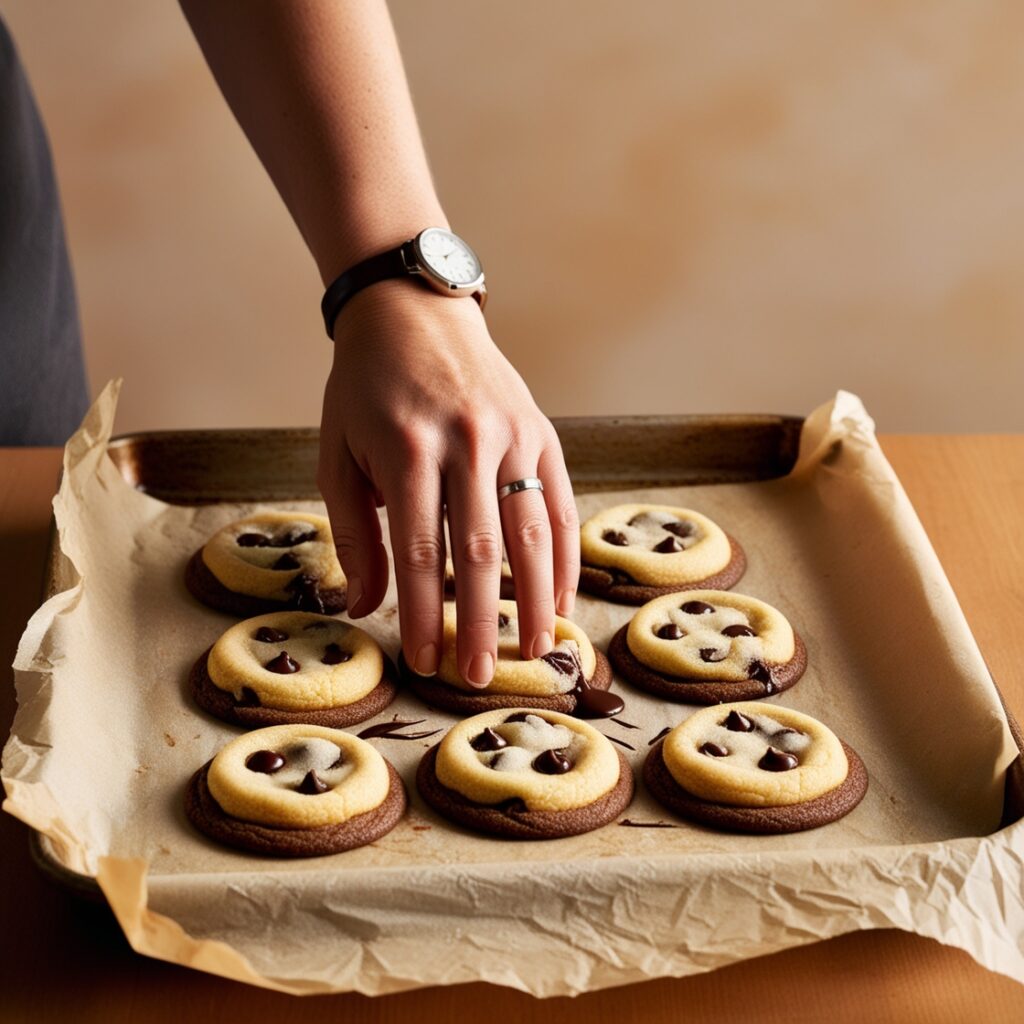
393 263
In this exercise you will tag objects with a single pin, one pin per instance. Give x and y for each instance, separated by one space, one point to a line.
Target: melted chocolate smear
552 762
622 743
713 750
670 631
709 654
252 540
488 740
668 546
250 698
679 528
312 784
564 662
629 823
777 761
306 594
616 537
267 635
334 655
389 730
298 535
283 664
735 722
760 672
287 561
738 631
265 761
661 735
625 725
519 716
591 703
696 608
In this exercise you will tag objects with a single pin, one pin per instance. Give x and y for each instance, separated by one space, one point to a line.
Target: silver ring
529 483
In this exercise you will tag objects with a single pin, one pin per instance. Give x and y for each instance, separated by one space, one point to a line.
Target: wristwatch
437 257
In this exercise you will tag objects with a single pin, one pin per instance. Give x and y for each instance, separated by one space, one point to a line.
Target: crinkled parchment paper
106 737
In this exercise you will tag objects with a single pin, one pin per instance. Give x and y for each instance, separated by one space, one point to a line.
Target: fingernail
542 645
566 601
425 662
481 669
354 589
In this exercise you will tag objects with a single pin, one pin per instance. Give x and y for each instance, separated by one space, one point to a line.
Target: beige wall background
682 206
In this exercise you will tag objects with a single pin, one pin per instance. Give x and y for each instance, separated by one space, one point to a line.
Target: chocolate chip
265 761
269 635
696 608
777 761
564 662
760 671
287 561
282 664
503 620
296 535
551 762
668 546
679 528
488 740
735 722
334 655
513 805
711 655
250 698
616 537
713 750
306 593
738 630
670 631
252 540
312 784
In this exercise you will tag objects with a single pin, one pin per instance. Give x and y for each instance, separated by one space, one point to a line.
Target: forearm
319 89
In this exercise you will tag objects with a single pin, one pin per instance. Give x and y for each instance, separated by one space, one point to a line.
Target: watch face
448 256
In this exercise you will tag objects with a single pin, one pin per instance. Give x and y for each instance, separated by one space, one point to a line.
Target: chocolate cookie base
814 813
438 694
616 585
207 815
704 691
223 705
206 588
511 820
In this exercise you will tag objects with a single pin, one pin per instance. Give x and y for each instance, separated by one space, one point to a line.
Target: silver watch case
416 263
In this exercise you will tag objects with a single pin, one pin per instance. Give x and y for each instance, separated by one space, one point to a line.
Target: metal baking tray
193 467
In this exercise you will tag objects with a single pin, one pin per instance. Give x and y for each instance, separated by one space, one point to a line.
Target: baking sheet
106 737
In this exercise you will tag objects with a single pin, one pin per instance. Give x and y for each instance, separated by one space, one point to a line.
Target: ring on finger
528 483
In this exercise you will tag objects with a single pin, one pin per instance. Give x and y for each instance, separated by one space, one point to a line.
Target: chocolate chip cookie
296 791
633 553
755 768
526 775
708 646
290 667
269 561
573 678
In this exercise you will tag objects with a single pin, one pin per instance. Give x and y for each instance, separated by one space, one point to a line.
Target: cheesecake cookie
526 775
296 791
573 678
269 561
755 768
633 553
290 667
708 646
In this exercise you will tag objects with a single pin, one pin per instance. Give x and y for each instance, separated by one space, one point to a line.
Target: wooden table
66 961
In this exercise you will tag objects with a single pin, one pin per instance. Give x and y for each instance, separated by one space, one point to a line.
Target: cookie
634 553
507 588
708 646
526 775
269 561
573 678
291 667
755 768
296 791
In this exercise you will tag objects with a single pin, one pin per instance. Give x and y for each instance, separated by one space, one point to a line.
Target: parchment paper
106 737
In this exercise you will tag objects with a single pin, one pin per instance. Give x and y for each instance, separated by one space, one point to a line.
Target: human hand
422 412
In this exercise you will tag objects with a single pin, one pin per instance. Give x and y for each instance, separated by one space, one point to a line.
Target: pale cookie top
550 761
296 661
710 634
557 672
298 776
243 554
751 754
655 544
